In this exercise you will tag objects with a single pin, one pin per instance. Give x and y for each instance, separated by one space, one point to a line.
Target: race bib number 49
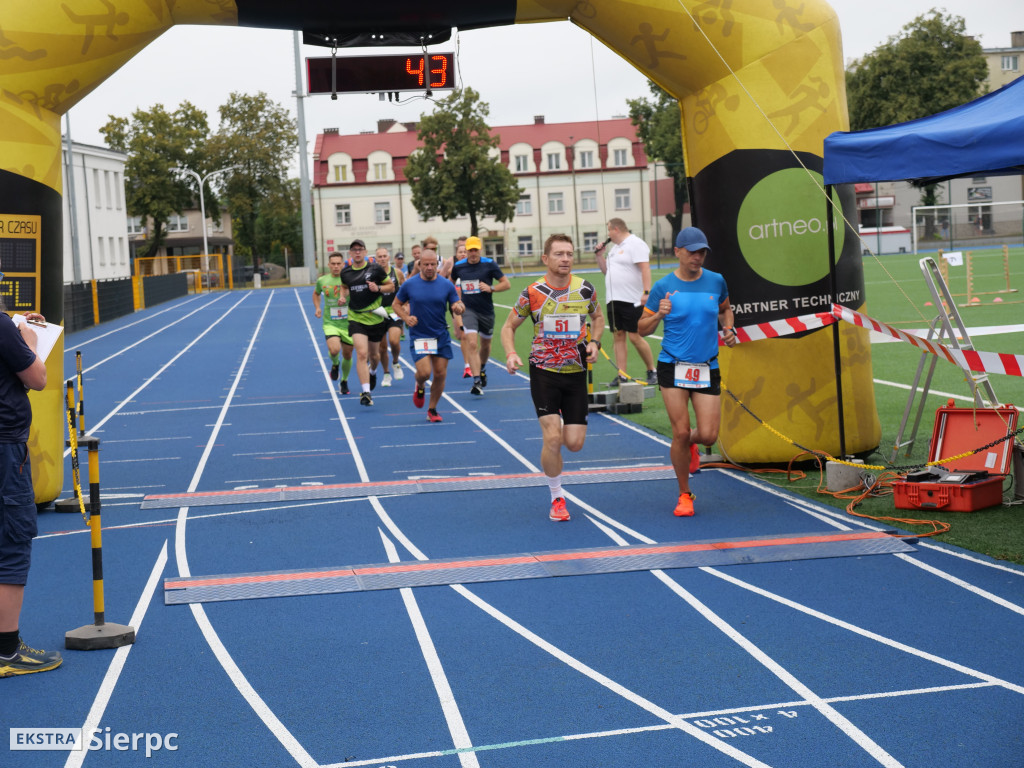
693 375
561 326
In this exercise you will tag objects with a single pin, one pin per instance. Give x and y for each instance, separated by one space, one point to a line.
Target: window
341 173
1009 63
135 225
622 199
106 187
96 187
380 171
382 213
103 253
587 158
122 250
619 157
177 223
524 207
343 215
554 161
590 241
556 202
522 163
525 245
118 188
588 200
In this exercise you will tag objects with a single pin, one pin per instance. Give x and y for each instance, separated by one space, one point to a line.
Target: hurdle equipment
99 634
973 296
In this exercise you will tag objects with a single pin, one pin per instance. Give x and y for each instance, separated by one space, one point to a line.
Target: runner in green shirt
334 313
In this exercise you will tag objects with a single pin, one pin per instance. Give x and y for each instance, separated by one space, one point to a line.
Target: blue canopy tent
984 137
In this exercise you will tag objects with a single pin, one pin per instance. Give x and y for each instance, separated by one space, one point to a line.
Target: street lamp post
201 181
575 202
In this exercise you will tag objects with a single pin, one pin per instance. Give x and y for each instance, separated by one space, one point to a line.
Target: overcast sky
554 69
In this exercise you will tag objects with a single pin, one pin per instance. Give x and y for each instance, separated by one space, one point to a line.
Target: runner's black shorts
667 380
373 333
564 393
623 316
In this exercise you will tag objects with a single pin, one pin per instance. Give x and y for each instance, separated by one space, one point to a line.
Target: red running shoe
558 510
433 415
419 397
468 373
694 459
685 506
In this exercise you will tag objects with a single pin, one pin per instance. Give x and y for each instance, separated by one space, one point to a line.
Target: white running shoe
399 373
387 380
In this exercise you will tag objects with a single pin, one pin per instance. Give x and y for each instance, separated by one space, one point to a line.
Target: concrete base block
93 637
631 392
626 408
842 476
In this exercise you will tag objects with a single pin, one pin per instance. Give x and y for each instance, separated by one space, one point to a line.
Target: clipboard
46 333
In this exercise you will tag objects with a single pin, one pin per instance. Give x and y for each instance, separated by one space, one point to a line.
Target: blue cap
692 239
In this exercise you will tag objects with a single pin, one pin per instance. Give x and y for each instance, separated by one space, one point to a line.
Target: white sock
366 387
555 486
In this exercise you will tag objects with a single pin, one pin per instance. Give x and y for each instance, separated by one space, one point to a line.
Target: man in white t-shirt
626 264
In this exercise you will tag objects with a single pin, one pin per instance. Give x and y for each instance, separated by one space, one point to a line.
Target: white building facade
95 231
573 178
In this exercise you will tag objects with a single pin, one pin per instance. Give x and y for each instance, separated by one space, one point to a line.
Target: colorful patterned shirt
560 323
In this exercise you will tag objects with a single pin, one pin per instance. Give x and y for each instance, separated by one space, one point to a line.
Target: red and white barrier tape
983 362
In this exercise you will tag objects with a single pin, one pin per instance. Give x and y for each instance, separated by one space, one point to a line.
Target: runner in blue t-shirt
423 302
693 302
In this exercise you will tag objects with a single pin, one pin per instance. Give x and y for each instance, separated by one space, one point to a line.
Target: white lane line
95 427
963 584
450 708
113 674
867 633
157 332
146 319
827 711
241 683
574 663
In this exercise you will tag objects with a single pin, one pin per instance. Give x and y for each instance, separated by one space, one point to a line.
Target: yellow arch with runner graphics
760 85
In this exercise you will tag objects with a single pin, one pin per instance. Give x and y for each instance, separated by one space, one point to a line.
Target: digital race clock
381 74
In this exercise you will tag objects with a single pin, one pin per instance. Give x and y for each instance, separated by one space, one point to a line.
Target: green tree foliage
279 225
457 170
156 141
658 123
929 67
258 137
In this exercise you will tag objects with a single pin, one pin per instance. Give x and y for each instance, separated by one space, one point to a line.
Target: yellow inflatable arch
760 85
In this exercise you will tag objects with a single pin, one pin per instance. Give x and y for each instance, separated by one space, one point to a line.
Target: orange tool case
974 482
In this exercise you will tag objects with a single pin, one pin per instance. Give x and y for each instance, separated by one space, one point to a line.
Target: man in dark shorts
391 344
477 279
422 303
693 302
363 283
333 313
627 278
559 305
20 370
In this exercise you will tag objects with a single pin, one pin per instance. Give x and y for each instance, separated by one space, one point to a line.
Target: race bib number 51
561 326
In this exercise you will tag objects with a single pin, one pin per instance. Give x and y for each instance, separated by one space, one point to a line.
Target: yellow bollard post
99 634
81 395
74 503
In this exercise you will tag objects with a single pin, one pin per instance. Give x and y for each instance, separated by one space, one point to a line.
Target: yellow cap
474 242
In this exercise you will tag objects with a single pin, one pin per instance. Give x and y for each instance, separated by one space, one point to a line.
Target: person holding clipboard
21 369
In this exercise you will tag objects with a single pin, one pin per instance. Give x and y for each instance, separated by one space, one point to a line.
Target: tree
258 137
658 124
929 67
155 142
279 224
457 170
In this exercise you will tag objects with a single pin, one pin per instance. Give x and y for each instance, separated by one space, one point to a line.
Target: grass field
897 294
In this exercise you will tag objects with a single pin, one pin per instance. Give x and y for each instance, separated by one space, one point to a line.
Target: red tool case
958 430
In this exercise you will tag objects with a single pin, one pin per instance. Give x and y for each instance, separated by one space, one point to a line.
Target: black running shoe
334 372
344 387
483 378
365 399
476 389
373 381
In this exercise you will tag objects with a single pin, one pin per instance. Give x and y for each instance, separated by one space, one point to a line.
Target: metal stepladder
949 325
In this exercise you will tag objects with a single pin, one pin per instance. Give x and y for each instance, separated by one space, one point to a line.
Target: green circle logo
782 228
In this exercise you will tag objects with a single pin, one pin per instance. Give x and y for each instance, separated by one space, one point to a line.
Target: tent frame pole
834 293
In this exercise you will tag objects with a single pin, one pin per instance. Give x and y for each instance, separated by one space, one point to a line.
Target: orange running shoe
694 459
558 510
685 506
